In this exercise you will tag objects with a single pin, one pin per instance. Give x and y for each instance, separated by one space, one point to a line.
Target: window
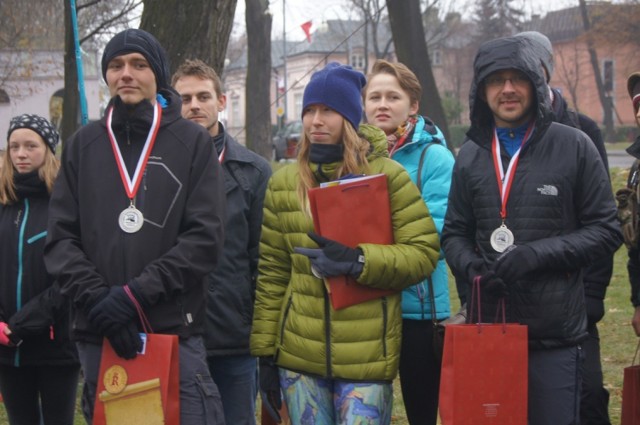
608 75
4 96
357 60
436 57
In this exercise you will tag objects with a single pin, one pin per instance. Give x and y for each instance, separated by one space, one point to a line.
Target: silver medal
131 219
501 238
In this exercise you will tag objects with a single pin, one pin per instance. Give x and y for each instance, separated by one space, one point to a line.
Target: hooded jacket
30 301
435 181
560 204
293 318
181 197
231 286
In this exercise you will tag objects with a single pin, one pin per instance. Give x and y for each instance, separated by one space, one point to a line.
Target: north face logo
548 190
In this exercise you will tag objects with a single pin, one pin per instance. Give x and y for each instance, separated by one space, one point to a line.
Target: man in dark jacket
136 222
530 206
231 287
594 404
633 265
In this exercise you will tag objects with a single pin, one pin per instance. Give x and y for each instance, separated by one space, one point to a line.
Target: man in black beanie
136 222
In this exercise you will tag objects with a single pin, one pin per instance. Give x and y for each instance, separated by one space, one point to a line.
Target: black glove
333 258
595 309
270 387
493 285
515 262
126 341
113 311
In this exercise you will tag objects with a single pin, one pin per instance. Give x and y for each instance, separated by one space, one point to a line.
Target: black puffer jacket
598 274
30 302
560 204
181 197
232 285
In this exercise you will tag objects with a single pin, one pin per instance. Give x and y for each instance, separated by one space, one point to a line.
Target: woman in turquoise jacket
391 103
335 366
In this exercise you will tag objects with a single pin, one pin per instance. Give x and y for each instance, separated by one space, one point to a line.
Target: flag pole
83 100
284 60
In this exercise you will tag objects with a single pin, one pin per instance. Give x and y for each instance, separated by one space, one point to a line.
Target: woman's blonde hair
355 149
47 172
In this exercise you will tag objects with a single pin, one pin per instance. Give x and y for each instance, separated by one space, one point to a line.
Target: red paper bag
142 391
631 394
484 375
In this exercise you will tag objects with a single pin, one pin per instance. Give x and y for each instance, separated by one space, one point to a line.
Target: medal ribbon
131 186
221 156
505 189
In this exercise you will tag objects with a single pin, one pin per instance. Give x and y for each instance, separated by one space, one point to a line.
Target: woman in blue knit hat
334 366
391 102
39 367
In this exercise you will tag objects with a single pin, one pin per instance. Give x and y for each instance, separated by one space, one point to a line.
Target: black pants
419 372
29 390
594 403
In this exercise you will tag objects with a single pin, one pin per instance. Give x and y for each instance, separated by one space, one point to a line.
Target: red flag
306 27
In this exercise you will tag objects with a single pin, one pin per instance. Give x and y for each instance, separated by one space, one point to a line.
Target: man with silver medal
530 206
136 222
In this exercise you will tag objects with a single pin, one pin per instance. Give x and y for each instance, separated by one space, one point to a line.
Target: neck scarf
399 137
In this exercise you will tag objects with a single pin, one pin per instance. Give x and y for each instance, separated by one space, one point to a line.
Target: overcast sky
298 12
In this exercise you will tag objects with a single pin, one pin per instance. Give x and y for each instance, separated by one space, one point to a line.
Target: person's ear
414 108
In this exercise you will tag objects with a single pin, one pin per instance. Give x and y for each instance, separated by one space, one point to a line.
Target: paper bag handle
146 326
475 302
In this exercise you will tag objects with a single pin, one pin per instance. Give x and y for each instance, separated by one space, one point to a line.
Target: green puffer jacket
293 319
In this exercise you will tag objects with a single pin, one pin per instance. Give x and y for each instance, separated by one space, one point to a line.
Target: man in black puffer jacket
530 238
594 404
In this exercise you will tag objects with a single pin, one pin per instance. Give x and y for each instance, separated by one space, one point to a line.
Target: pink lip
382 117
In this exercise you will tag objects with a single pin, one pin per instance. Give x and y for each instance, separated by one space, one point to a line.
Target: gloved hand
270 387
333 258
113 311
595 309
493 285
126 341
515 262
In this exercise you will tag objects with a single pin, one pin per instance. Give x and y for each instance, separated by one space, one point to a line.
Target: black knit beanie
38 124
139 41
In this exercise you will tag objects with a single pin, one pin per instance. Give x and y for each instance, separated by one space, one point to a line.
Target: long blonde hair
47 173
354 161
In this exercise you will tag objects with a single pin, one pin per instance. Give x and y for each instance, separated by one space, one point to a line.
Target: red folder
352 212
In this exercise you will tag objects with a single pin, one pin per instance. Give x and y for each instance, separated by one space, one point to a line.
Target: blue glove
515 262
126 341
112 312
333 258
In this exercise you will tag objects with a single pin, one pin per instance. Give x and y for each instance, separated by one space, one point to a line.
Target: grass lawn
618 341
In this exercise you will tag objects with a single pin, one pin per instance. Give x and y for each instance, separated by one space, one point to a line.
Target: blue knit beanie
338 87
139 41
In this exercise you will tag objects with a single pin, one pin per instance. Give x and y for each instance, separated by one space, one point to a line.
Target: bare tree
569 71
411 49
372 13
258 87
605 100
191 29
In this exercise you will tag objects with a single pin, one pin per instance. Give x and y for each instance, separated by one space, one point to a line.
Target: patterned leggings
318 401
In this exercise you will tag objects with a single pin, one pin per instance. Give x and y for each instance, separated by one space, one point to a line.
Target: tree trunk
258 87
411 49
194 29
605 101
71 99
